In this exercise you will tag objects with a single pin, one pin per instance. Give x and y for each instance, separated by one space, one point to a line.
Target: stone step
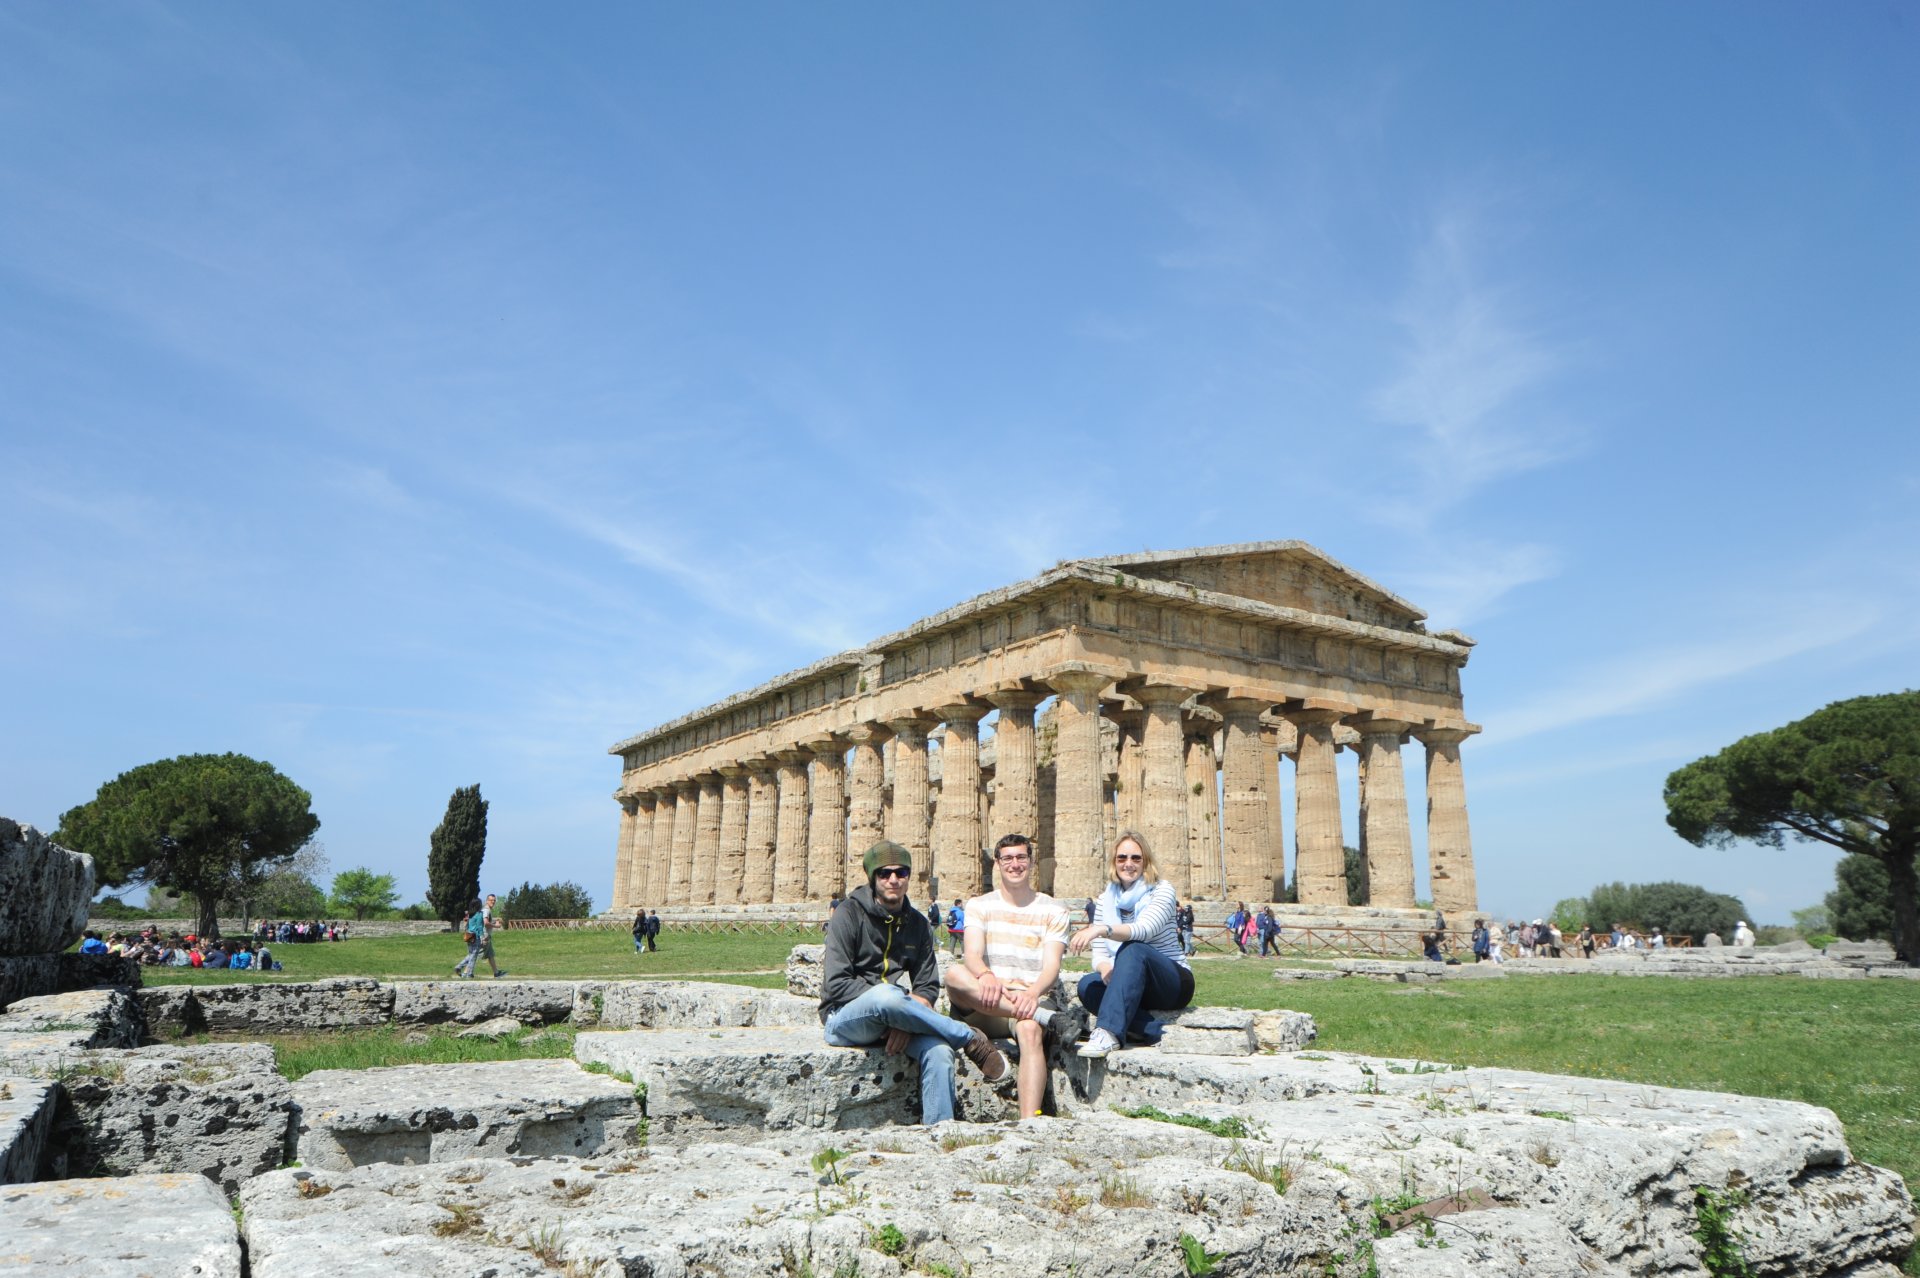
129 1225
700 1084
91 1018
26 1119
440 1113
217 1110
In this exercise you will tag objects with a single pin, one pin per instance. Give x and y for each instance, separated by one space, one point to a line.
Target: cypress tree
454 854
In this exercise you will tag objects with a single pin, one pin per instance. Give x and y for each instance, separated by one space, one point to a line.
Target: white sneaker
1099 1045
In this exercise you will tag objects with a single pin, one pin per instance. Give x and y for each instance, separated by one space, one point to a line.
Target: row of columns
790 826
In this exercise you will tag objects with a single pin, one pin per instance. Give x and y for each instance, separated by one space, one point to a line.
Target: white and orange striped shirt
1017 937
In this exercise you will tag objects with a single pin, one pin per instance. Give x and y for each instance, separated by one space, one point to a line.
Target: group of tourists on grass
646 931
880 977
150 948
291 932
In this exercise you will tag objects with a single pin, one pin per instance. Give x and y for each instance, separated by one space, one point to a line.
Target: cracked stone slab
1023 1200
160 1225
435 1113
44 891
699 1083
26 1118
269 1007
702 1005
99 1018
469 1002
218 1110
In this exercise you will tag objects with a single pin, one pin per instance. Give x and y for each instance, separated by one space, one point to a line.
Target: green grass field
1851 1046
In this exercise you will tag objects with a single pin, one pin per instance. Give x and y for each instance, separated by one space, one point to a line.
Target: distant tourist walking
653 930
640 932
479 942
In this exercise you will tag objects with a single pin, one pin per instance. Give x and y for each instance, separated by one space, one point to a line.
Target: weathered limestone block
1306 974
159 1225
702 1005
1479 1243
589 999
701 1083
1860 953
217 1110
1281 1030
100 1018
464 1002
26 1118
1209 1041
439 1113
498 1027
731 1211
345 1002
44 892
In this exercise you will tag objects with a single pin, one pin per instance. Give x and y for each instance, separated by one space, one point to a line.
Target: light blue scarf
1124 903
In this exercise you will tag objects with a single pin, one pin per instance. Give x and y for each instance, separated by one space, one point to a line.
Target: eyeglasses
892 872
1130 856
1015 858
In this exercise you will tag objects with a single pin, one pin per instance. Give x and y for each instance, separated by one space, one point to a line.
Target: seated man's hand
896 1041
1024 1003
991 989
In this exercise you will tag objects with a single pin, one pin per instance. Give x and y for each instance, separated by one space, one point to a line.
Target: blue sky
421 395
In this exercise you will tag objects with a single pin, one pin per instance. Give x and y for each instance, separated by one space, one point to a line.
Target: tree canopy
361 892
548 901
1677 909
196 824
454 853
1847 776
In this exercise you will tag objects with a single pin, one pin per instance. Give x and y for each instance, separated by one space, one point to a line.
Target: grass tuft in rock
1232 1128
1117 1190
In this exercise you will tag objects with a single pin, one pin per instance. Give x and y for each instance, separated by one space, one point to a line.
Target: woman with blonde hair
1138 962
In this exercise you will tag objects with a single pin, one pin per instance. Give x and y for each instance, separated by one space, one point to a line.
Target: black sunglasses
892 872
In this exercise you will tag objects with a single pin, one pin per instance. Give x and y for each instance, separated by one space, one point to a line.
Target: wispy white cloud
1643 680
1462 580
1472 355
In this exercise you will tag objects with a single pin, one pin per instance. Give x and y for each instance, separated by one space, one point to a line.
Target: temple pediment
1288 574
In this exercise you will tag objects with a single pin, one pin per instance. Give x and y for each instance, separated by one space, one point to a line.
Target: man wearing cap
880 978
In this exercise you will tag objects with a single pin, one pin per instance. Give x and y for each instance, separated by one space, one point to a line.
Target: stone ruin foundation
707 1129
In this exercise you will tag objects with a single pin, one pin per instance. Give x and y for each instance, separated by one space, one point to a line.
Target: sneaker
1069 1024
1101 1044
499 973
981 1051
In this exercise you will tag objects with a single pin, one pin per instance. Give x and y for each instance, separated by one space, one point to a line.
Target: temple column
660 856
867 809
642 849
1203 806
1129 769
1079 858
1249 774
1161 810
907 821
1389 845
958 836
706 840
827 829
790 828
686 806
1276 838
1319 861
756 875
1016 768
623 852
729 871
1449 841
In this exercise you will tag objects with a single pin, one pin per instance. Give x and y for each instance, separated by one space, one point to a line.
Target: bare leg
963 992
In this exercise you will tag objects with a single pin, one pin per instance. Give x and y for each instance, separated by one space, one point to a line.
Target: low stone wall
1717 963
368 930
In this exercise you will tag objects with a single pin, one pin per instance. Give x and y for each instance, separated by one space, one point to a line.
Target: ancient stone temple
1162 691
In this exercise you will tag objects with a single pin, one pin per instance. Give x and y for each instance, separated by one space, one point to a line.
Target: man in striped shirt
1010 967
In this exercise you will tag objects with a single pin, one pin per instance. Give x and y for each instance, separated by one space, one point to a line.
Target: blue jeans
866 1020
1142 978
